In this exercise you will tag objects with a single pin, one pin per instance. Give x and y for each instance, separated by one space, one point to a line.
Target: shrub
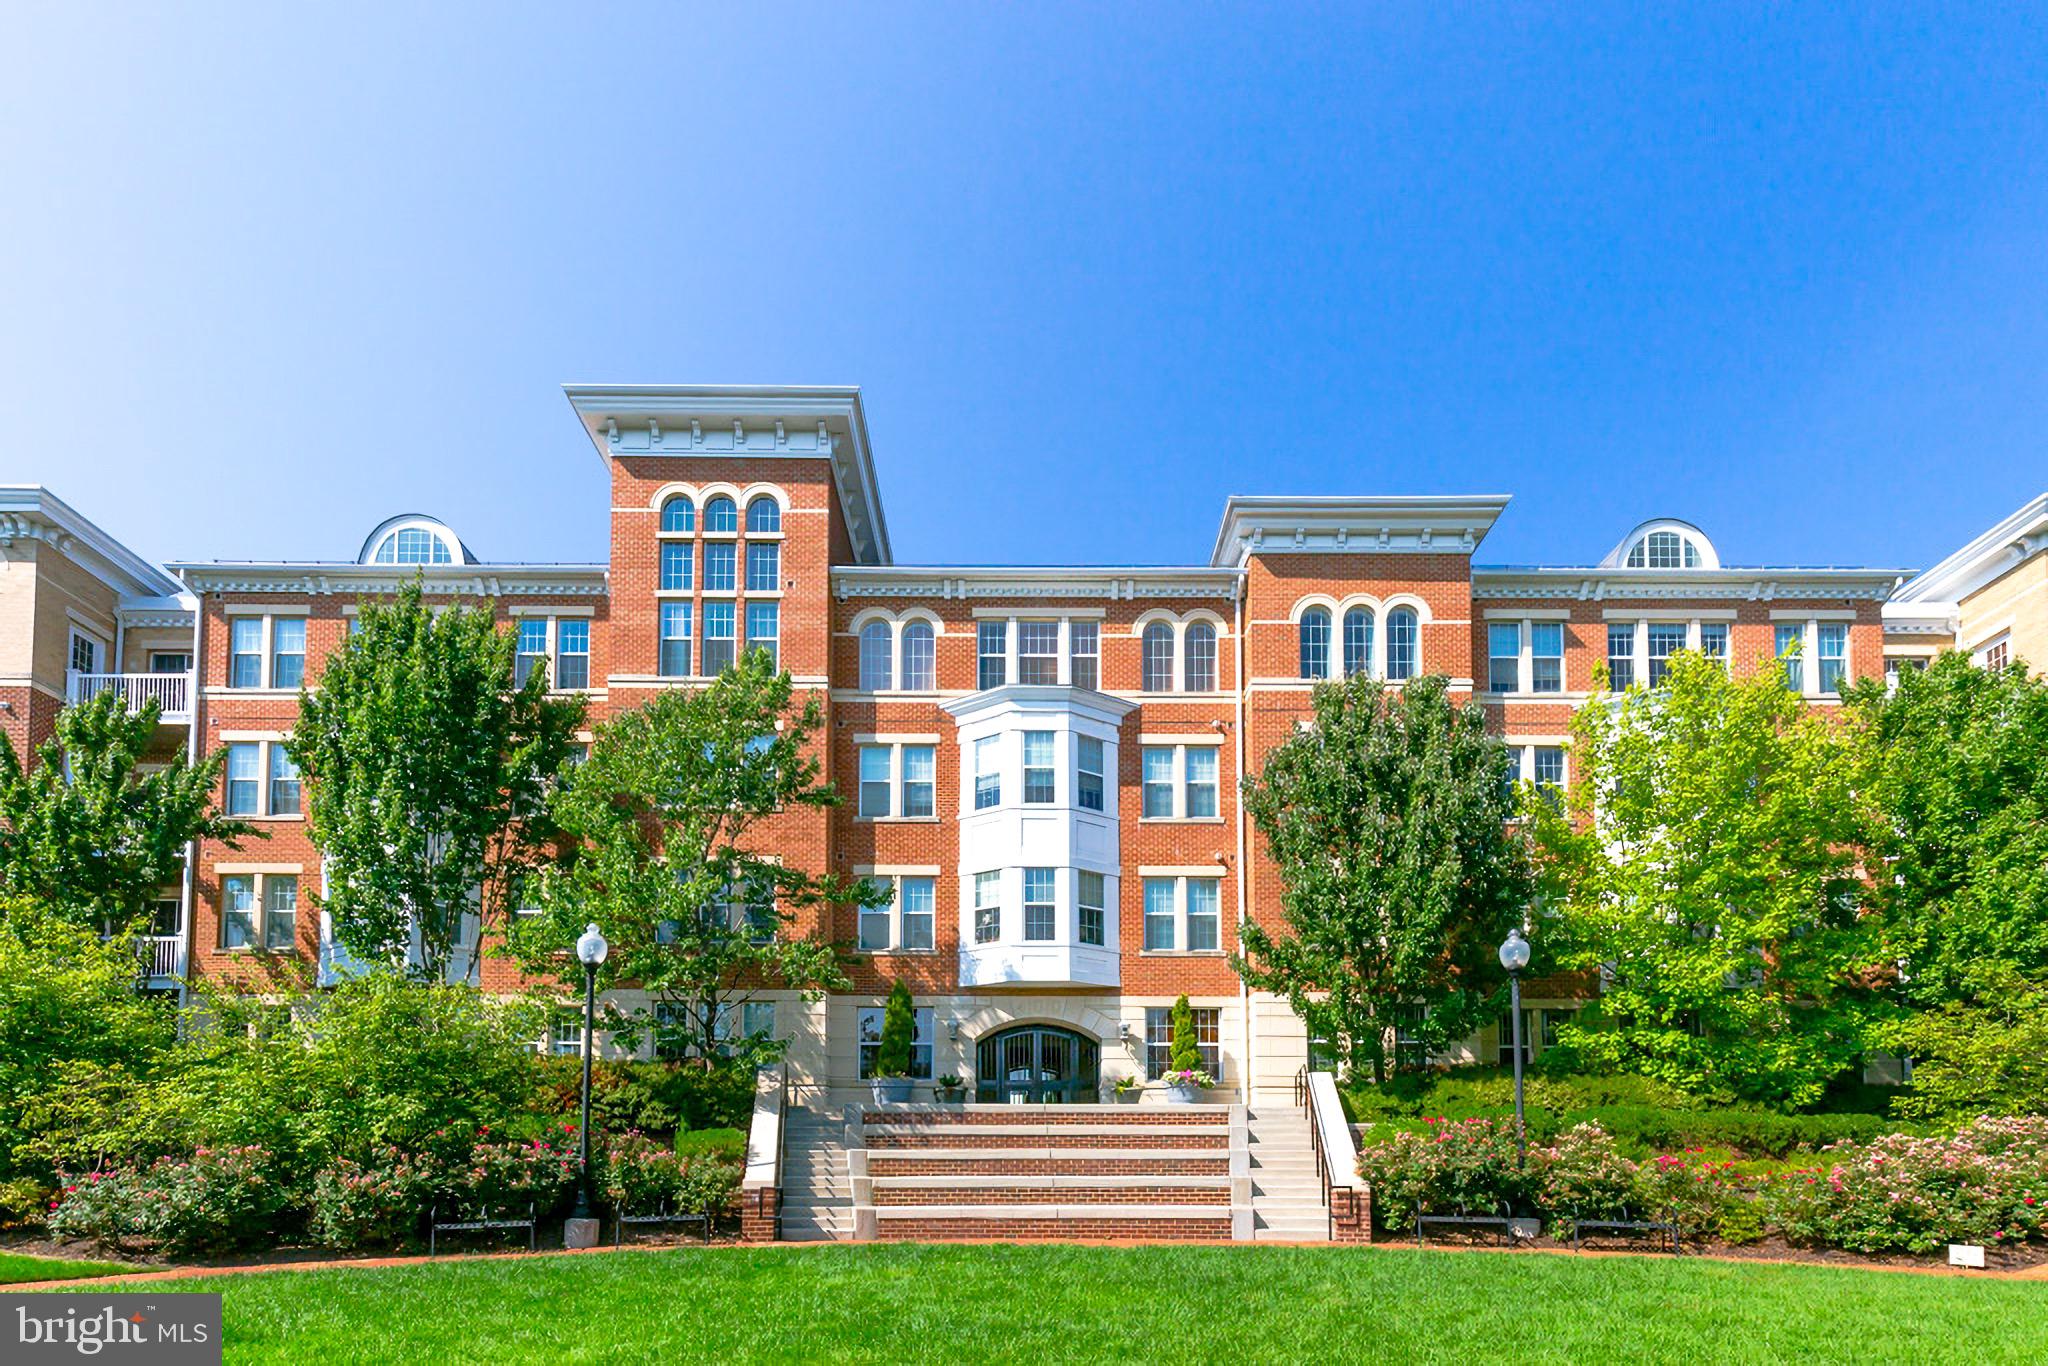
1452 1167
1584 1176
709 1185
635 1174
221 1198
369 1204
501 1176
1702 1195
1184 1052
727 1145
657 1098
899 1031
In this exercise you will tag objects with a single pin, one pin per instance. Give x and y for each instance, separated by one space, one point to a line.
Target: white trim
898 870
1530 614
1211 870
894 738
1813 614
1192 738
249 736
542 609
1678 612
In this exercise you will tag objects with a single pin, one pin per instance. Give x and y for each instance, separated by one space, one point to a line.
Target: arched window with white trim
721 514
764 514
1198 658
1357 641
876 645
1156 659
678 513
1403 640
1315 643
920 657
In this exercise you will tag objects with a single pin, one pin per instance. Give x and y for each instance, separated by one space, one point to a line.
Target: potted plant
1185 1080
952 1090
891 1082
1128 1088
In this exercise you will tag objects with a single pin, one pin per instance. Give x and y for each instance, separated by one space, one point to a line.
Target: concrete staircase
1287 1195
816 1195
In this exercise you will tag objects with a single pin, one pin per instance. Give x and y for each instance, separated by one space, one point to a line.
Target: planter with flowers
1186 1085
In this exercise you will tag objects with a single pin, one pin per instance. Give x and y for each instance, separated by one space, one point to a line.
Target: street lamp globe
1514 954
592 948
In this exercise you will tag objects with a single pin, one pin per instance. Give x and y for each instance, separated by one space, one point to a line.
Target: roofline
1983 558
146 579
1482 509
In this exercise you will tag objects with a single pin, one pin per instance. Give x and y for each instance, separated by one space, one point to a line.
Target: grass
1046 1303
16 1269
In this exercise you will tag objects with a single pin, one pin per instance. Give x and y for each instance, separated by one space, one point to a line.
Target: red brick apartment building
1042 761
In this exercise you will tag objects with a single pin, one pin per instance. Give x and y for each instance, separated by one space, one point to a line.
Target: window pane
245 776
1088 888
1546 656
280 910
237 911
920 769
764 514
1201 761
1315 643
1504 656
1714 640
572 652
874 780
1621 656
1789 638
284 781
1834 651
720 514
1204 912
719 561
920 664
1038 652
1401 643
1083 647
916 901
992 639
1549 766
875 646
988 783
1156 664
676 563
675 639
718 637
288 652
1157 765
874 928
679 514
764 629
1198 670
988 896
1038 770
1158 1041
1357 641
764 567
1038 904
1088 773
532 649
1159 912
1665 640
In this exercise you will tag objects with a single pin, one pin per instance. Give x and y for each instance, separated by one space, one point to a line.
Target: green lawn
15 1269
877 1303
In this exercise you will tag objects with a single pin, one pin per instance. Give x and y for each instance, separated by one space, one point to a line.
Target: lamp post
1514 956
591 949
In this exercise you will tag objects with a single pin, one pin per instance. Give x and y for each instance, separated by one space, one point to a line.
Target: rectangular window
1714 641
287 652
85 654
877 646
920 774
870 1035
245 652
1038 904
1038 652
675 639
1160 916
874 928
565 1040
280 910
988 782
532 649
1834 654
720 566
1088 899
238 911
1156 763
875 781
1201 793
1505 1054
170 662
1546 656
1205 917
718 637
676 564
988 907
1548 766
1159 1040
757 1019
764 567
1666 638
1789 637
1084 645
245 779
1038 769
284 781
764 630
572 654
1621 655
1504 656
916 901
1088 773
992 640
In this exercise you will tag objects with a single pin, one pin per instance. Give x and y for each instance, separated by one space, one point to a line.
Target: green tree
1971 1060
668 856
899 1032
1400 869
88 834
1706 861
1183 1051
427 773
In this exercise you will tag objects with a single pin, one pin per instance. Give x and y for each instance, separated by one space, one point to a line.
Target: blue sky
268 275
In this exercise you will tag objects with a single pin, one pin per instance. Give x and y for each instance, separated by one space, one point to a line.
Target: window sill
896 820
295 816
1180 820
1180 953
898 953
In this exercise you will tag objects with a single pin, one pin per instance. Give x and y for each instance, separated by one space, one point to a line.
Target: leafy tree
428 774
1706 861
86 833
1184 1052
899 1032
668 855
1958 786
1988 1059
1401 873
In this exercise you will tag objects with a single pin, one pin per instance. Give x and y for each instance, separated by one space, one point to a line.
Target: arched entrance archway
1037 1065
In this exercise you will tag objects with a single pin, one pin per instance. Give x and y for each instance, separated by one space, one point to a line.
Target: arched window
679 514
1156 660
1664 550
1198 664
875 649
1315 643
1401 643
721 515
920 663
1357 641
412 545
764 514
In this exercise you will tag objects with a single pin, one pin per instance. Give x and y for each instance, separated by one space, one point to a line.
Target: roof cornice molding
1639 585
1108 582
1997 551
31 512
1428 523
1037 699
817 422
454 580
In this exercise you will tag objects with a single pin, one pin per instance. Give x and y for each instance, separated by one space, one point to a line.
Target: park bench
477 1222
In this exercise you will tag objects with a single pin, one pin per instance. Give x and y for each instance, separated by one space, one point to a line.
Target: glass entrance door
1037 1065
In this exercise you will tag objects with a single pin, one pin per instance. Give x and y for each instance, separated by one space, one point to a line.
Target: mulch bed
2022 1257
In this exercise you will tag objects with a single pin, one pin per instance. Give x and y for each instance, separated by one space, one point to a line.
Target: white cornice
347 579
1033 582
1028 699
1634 585
2012 542
1428 524
31 512
821 422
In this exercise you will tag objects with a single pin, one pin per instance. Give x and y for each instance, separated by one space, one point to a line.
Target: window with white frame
721 572
266 651
1996 654
1039 788
870 1026
1159 1040
245 652
1156 769
1315 643
764 630
532 649
1664 550
1155 671
897 781
1091 906
876 656
718 637
1199 792
1504 656
1180 782
721 516
1714 641
1198 658
261 779
85 653
1546 766
674 661
1038 652
1357 641
678 561
1084 654
1546 656
1621 655
764 566
764 516
992 645
1041 916
565 1039
412 545
283 796
988 907
1832 656
678 514
1788 640
1183 913
1088 773
1662 640
259 909
1404 653
988 781
907 923
920 657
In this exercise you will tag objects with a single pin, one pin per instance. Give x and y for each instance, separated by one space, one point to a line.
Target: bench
664 1215
1500 1224
1627 1228
478 1224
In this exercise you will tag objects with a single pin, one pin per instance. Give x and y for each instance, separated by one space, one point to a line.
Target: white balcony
172 693
163 956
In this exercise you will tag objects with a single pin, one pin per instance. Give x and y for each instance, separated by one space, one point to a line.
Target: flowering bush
371 1204
1454 1167
1703 1196
497 1177
1584 1176
636 1175
709 1185
217 1199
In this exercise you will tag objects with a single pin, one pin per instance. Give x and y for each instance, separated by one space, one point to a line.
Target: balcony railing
172 693
163 955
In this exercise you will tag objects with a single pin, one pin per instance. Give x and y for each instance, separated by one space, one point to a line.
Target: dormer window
413 545
1664 550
